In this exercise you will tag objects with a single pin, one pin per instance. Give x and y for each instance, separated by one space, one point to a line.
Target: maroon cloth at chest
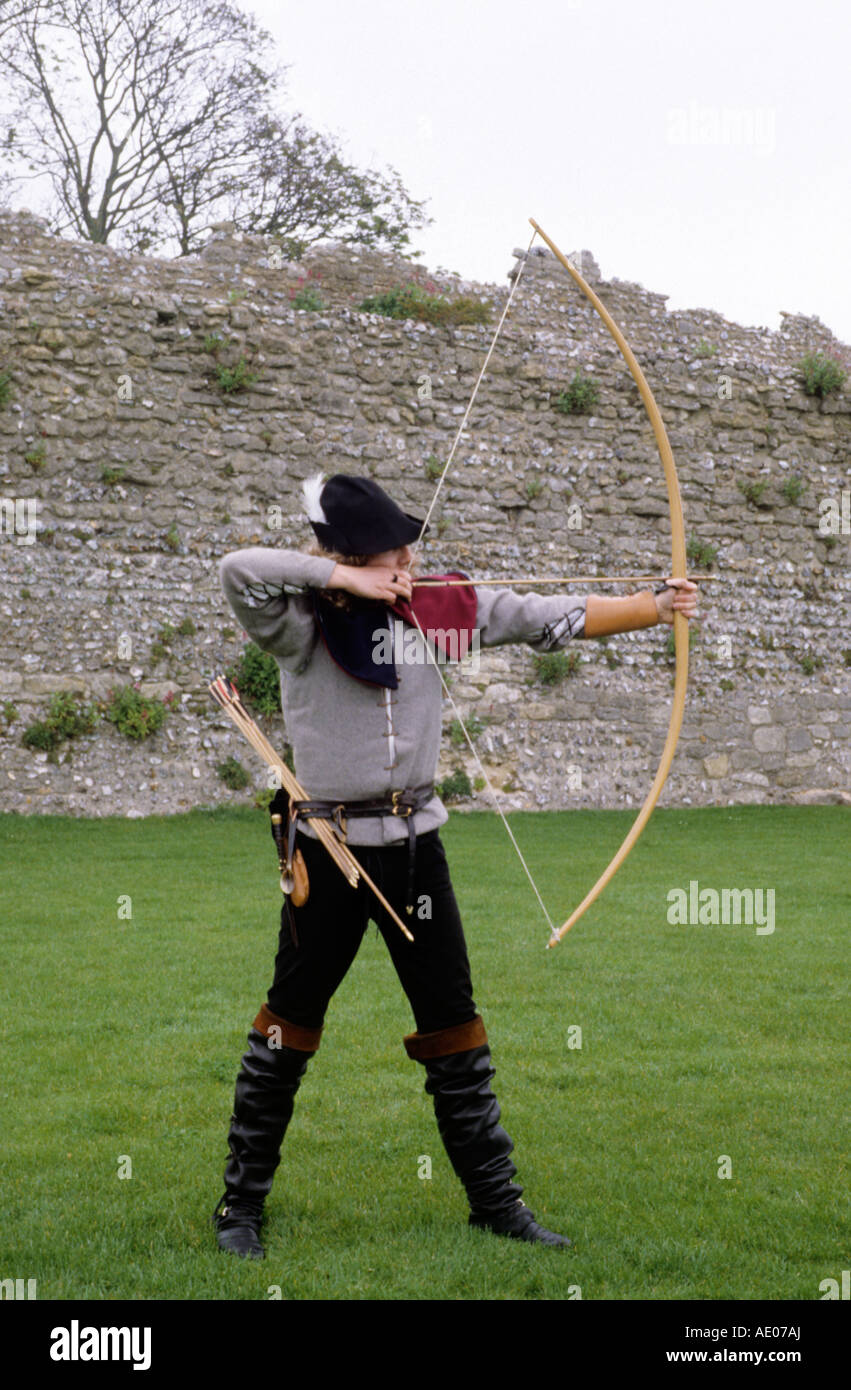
448 614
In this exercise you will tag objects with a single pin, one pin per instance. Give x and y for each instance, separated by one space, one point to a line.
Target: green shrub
552 667
231 379
433 468
456 785
160 647
68 716
5 388
793 487
534 488
706 349
670 650
701 552
307 298
257 678
233 774
580 397
611 657
172 537
822 375
475 726
411 301
9 712
111 476
133 714
752 491
809 663
36 457
213 343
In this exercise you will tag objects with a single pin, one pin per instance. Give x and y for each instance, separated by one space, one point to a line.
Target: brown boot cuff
460 1038
289 1034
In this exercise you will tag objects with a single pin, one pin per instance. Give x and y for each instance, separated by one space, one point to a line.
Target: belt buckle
339 820
405 811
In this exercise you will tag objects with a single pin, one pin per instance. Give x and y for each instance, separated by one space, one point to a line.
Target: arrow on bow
554 579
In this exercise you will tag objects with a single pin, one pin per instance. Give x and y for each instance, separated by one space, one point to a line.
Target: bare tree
150 119
303 190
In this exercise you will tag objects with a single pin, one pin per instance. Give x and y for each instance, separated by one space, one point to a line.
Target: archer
365 734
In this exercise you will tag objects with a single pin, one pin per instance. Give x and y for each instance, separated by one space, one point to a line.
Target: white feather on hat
312 489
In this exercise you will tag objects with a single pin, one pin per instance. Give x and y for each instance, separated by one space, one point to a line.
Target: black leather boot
468 1118
263 1106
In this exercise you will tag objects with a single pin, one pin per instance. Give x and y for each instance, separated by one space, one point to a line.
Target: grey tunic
353 741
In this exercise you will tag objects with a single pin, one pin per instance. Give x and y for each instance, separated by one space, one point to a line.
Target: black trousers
434 971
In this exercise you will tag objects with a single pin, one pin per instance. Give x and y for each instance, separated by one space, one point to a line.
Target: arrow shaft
552 579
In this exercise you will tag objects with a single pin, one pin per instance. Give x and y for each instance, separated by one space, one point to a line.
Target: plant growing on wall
701 552
821 375
232 379
809 662
476 725
305 295
135 715
454 786
552 667
793 487
257 678
36 458
580 397
233 774
752 489
412 301
68 716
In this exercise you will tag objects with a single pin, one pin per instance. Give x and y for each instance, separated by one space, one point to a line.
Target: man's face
399 559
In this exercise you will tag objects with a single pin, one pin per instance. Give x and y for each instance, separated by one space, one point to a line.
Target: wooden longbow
678 571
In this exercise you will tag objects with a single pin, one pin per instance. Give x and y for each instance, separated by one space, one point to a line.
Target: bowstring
491 790
494 798
523 259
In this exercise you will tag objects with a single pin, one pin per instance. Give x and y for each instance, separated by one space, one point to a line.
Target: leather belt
400 803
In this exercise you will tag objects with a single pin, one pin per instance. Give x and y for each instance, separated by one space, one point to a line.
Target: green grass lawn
698 1042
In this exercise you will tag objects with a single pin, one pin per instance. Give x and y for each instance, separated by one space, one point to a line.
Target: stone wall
144 473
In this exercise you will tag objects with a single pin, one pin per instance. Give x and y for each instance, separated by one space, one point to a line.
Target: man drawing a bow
365 734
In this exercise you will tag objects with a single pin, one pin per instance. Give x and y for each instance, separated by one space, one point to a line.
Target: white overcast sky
699 147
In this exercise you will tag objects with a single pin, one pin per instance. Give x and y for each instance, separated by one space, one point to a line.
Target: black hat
354 516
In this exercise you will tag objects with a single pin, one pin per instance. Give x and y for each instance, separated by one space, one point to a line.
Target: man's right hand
372 581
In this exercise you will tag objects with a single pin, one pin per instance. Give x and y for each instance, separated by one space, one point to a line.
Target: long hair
341 598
